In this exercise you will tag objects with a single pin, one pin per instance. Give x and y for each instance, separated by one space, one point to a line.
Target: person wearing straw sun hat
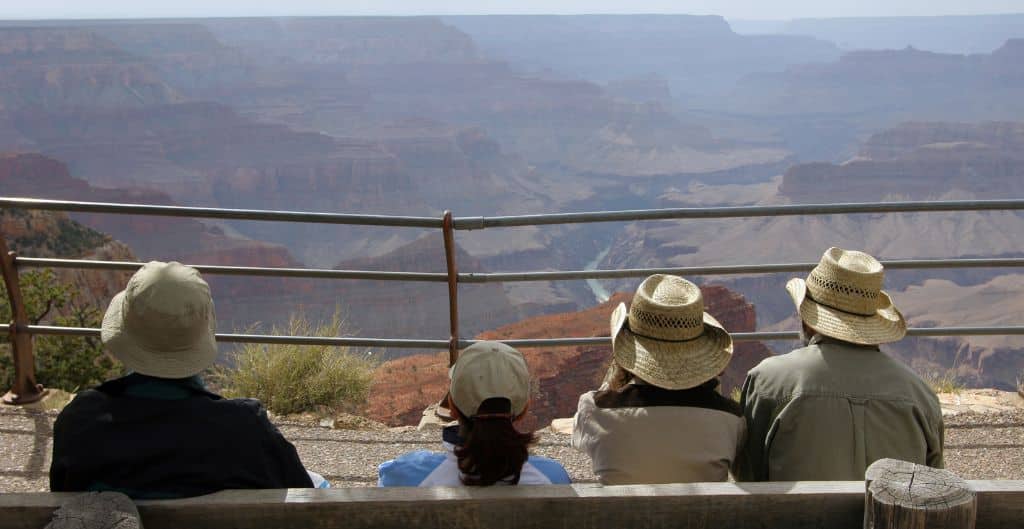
158 432
659 417
828 410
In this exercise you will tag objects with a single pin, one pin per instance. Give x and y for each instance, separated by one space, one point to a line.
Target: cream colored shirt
646 434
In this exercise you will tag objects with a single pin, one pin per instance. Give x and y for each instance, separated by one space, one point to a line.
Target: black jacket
159 438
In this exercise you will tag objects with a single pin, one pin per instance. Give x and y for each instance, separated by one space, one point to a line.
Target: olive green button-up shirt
827 411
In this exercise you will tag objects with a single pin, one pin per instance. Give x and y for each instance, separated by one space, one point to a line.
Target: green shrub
62 362
293 378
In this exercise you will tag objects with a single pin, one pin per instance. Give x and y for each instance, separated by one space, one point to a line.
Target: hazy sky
736 9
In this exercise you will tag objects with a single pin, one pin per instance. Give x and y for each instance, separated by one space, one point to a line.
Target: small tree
64 362
299 378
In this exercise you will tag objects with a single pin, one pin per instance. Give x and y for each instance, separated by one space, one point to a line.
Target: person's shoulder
783 364
84 402
409 469
552 470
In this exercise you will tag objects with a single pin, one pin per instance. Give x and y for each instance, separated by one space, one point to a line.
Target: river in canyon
595 285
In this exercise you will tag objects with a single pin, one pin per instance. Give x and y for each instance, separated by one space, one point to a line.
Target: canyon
515 115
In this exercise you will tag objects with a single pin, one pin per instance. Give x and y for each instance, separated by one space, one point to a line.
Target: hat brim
884 326
671 364
141 359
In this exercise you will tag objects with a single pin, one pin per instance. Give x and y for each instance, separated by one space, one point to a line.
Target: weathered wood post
902 495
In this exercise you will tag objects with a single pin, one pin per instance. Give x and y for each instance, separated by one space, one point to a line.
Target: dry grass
944 383
292 379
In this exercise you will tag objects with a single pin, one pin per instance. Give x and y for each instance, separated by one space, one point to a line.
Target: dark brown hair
492 448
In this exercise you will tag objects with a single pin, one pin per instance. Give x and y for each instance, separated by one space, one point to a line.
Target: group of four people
822 412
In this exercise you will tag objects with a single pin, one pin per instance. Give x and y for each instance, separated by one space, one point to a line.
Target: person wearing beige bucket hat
489 392
828 410
659 417
158 432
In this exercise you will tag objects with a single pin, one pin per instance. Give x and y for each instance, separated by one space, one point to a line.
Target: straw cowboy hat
487 370
162 324
666 338
843 298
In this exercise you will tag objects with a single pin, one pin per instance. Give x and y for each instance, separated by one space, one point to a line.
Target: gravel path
978 446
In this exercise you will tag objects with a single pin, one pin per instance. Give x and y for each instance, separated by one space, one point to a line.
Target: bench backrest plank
793 505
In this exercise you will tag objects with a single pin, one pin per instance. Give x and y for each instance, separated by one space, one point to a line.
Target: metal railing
20 331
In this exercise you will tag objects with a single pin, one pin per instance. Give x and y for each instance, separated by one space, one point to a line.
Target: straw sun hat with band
162 324
666 338
843 298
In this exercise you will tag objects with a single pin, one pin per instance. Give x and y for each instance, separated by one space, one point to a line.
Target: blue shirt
441 469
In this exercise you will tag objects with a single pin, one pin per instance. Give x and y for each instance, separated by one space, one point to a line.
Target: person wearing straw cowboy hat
831 408
659 417
158 432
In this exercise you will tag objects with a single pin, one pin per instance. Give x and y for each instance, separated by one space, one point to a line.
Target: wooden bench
783 505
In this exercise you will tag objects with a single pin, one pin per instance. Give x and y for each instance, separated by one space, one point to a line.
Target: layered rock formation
892 85
919 160
404 387
65 67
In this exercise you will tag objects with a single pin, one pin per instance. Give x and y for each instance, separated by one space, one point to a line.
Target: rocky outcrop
919 160
182 239
53 234
404 387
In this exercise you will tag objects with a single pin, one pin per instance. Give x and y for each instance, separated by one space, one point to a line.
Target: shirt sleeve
582 439
758 410
291 474
936 441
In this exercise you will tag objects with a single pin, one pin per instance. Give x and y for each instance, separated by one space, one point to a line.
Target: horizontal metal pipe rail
475 223
311 273
502 277
221 213
543 342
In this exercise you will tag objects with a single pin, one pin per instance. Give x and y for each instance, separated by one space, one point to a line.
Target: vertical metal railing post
453 287
25 389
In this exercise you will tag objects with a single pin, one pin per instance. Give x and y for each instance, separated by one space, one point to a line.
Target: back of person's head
162 324
490 390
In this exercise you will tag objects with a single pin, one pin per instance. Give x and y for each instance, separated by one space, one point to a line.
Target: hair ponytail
492 448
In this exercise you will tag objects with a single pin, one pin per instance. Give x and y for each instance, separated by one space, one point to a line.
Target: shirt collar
147 387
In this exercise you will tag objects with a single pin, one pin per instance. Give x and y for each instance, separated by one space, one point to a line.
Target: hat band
634 333
833 307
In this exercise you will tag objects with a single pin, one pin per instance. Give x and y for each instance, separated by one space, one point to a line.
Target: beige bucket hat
162 324
487 370
843 298
666 338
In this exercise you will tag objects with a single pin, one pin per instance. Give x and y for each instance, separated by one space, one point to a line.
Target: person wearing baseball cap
826 411
158 432
490 391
